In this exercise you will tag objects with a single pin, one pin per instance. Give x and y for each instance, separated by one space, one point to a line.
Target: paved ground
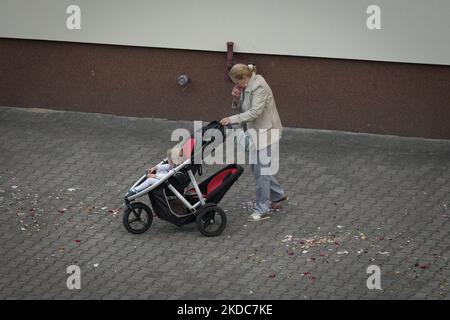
355 201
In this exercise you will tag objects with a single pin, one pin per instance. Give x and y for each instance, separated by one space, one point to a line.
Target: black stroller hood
214 125
192 148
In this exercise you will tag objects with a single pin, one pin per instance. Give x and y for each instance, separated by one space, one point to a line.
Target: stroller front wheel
211 220
137 218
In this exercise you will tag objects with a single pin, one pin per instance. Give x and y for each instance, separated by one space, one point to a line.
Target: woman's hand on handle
225 121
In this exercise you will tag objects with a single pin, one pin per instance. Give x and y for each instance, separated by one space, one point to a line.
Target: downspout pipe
229 62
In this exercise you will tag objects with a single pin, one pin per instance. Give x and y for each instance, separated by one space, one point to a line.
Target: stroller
171 199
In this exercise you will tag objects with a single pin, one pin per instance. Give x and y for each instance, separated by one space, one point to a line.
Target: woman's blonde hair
239 71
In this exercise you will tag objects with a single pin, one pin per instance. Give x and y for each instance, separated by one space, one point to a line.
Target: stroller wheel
139 219
211 220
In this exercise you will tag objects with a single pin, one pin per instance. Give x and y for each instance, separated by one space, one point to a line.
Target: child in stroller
173 201
157 172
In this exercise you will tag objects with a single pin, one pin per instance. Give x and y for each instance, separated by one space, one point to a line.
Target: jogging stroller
171 199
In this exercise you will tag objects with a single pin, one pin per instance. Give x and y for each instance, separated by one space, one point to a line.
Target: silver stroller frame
171 173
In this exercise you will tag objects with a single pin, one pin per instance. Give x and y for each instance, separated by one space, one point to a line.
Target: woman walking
259 112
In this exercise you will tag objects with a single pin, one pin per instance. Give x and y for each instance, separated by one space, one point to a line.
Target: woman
254 96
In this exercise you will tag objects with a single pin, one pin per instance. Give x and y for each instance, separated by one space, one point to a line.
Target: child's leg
147 183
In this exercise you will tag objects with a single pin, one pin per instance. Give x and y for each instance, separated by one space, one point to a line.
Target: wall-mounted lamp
183 80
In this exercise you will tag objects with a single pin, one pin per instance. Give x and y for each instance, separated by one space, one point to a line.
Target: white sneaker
258 217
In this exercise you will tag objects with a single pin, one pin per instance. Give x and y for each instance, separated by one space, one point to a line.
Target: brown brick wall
375 97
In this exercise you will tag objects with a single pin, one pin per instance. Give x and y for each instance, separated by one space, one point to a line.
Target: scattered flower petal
114 211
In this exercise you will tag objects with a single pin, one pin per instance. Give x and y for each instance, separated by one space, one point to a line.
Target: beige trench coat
259 112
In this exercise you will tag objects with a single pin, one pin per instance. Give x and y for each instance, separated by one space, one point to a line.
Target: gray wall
416 31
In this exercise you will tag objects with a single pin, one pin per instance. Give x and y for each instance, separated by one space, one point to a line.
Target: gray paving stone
384 199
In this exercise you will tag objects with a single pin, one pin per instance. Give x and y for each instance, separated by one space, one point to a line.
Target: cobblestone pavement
355 200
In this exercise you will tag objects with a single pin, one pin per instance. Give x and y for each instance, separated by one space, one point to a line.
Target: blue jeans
267 187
